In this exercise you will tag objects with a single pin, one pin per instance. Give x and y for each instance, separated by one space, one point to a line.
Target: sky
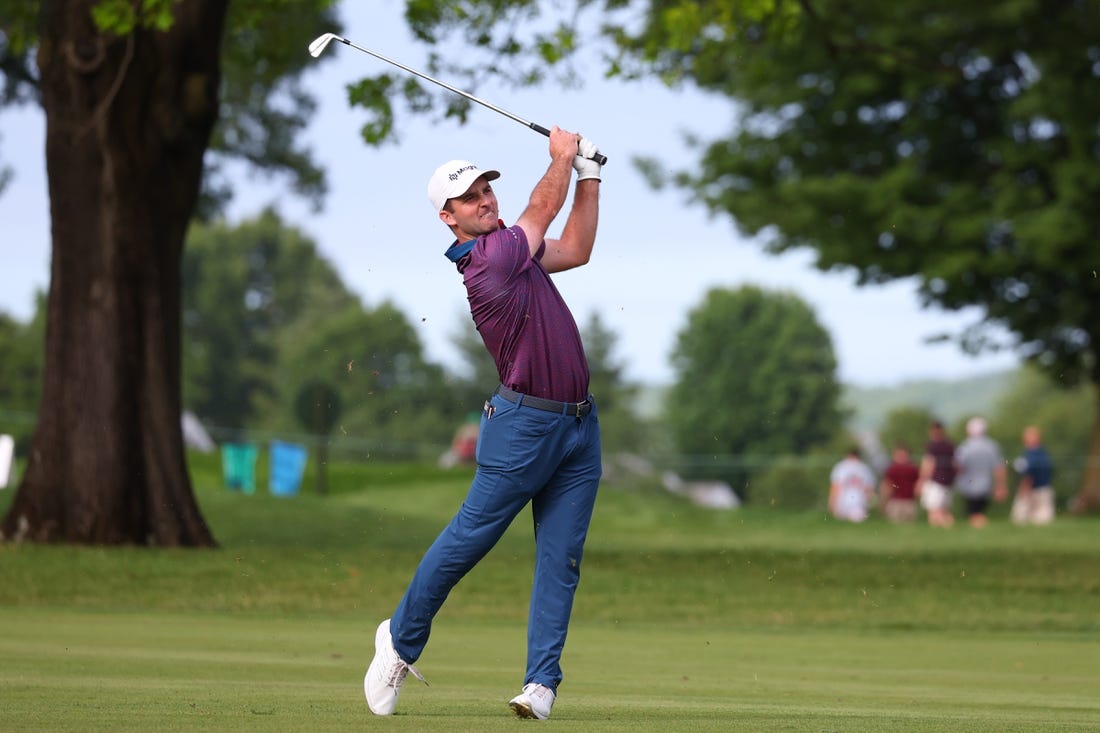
656 254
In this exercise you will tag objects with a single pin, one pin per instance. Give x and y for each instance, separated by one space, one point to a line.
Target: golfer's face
475 212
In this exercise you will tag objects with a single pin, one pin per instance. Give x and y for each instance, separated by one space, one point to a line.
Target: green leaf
121 18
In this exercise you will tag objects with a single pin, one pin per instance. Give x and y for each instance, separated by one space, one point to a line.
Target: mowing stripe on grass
92 670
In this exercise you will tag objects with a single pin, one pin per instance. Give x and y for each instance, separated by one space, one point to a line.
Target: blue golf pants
523 455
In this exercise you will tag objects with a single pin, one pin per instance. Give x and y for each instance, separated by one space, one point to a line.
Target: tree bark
128 121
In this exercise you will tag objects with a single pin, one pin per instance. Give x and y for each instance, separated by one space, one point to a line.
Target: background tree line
264 315
755 400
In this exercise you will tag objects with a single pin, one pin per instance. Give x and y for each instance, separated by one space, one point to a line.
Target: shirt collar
457 251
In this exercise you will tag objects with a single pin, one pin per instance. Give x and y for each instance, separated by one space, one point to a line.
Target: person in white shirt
851 488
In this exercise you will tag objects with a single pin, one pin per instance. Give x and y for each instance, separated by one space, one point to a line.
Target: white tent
194 434
7 457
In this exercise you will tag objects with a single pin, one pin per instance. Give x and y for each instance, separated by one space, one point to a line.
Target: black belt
574 409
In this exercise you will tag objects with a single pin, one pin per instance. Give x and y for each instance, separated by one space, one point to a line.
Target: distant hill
949 400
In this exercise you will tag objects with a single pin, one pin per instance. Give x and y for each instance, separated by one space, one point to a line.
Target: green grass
686 620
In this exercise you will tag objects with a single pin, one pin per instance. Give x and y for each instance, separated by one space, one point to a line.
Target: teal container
239 466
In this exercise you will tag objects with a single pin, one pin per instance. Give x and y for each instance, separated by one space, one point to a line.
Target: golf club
322 41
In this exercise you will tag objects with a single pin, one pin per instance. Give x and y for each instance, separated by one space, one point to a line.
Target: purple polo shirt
943 461
523 320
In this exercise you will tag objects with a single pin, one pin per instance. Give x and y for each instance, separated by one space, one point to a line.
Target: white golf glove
584 165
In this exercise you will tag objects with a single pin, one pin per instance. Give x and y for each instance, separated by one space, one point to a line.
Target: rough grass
686 619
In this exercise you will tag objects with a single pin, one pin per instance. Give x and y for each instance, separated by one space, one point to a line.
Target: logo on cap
454 176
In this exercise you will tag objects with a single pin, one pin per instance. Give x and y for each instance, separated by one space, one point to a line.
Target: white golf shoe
534 702
386 673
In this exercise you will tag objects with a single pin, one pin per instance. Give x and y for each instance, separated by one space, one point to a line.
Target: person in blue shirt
1034 502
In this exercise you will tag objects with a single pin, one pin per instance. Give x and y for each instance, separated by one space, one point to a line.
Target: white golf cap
454 178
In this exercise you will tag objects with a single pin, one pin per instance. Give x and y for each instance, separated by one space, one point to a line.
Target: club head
321 43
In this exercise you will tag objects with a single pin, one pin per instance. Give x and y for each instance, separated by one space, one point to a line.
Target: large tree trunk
1088 498
128 121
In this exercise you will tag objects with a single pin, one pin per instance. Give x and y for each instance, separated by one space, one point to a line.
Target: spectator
851 487
937 474
981 472
898 488
1034 502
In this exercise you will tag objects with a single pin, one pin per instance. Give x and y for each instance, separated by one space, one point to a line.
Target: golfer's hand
584 165
563 144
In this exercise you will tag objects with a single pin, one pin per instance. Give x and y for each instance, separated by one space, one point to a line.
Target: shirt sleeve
506 251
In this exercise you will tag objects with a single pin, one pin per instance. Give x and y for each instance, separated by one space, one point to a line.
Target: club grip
598 157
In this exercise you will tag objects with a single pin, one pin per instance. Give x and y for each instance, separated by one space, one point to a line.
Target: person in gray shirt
981 472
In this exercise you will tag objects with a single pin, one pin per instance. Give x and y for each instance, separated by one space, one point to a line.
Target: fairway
140 672
686 620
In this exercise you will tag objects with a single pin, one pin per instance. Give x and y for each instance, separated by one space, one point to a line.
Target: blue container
288 465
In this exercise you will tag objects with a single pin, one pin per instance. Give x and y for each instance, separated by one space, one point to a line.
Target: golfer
539 440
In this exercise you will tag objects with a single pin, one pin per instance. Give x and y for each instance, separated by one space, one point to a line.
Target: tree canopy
243 287
755 378
943 141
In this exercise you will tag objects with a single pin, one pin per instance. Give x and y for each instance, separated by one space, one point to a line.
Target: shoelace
542 692
398 672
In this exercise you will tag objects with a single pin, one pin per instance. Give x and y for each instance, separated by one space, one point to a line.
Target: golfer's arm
546 201
577 239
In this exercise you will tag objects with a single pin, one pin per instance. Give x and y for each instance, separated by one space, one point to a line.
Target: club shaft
443 84
598 157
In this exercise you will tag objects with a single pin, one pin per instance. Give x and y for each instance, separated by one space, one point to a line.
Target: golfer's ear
447 218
